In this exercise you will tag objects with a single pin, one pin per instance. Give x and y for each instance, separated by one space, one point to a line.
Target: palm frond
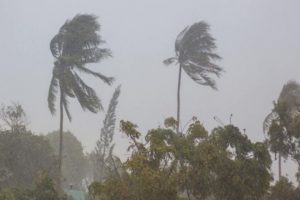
66 87
52 94
169 61
56 45
107 80
86 95
178 42
80 34
196 38
66 105
205 67
199 76
79 39
94 55
268 121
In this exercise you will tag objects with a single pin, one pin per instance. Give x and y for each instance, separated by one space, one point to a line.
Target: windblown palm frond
194 49
269 120
170 61
86 95
79 39
53 89
66 106
108 80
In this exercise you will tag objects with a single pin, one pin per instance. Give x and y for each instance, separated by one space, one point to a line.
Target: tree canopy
222 165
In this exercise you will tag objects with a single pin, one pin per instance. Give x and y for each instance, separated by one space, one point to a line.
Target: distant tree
75 45
22 156
195 54
74 168
279 124
104 147
14 117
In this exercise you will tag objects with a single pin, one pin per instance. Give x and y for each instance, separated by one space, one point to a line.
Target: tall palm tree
75 45
195 54
278 123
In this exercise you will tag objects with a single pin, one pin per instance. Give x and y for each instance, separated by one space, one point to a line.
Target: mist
257 40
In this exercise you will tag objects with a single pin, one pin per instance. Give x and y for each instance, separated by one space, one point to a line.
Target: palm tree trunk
60 141
279 166
178 99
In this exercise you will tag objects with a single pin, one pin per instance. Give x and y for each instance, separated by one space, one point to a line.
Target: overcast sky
257 39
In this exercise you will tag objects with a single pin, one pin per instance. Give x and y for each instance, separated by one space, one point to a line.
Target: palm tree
194 53
278 124
75 45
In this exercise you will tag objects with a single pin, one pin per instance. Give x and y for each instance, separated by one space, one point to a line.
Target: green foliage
171 123
142 178
74 161
224 165
102 155
130 129
284 190
282 124
196 130
112 189
245 172
43 189
14 194
280 139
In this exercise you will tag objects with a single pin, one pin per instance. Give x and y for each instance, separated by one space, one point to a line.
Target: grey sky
258 40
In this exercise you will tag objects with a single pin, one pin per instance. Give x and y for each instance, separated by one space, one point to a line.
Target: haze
258 41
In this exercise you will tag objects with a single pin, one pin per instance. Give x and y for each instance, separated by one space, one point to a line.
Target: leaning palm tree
195 54
277 124
75 45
